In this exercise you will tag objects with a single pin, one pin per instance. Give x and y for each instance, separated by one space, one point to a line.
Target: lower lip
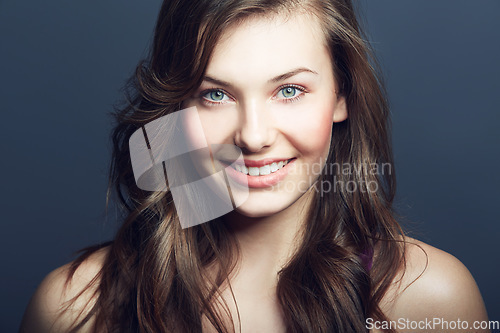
259 181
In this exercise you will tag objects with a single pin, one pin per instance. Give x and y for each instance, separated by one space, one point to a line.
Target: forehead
262 47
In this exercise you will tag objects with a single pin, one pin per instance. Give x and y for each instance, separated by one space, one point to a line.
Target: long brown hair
153 279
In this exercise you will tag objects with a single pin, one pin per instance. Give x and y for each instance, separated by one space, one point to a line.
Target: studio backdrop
63 63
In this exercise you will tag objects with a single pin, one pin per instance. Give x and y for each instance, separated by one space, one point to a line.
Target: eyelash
208 102
301 90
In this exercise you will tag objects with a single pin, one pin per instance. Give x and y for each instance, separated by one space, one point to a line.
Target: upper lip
259 163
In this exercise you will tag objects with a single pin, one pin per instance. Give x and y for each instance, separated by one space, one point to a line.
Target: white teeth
262 171
253 171
265 170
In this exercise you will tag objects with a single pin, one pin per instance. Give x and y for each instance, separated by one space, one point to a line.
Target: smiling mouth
261 171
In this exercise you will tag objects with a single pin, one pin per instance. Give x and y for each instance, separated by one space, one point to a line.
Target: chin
256 213
260 207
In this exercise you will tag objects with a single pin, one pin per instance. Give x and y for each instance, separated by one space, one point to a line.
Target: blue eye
217 96
288 92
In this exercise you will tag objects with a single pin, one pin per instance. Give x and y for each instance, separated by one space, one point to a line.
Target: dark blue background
62 65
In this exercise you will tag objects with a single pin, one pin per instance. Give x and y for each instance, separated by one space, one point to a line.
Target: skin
254 114
267 226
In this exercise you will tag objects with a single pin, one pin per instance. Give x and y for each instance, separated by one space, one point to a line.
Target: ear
340 111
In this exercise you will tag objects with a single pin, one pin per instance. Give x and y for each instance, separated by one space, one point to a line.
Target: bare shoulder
46 310
434 284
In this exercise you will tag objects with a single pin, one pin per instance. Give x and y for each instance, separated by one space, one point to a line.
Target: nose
256 130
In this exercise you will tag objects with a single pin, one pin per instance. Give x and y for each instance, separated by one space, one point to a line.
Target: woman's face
269 89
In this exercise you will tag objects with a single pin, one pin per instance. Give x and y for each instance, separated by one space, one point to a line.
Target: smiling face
269 89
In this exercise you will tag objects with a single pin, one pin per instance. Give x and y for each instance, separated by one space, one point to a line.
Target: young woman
292 85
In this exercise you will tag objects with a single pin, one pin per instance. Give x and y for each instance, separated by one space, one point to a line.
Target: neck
267 243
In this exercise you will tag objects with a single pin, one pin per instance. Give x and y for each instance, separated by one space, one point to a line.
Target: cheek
218 125
193 128
311 131
208 127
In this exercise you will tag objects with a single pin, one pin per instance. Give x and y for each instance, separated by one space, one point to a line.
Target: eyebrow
275 79
291 73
